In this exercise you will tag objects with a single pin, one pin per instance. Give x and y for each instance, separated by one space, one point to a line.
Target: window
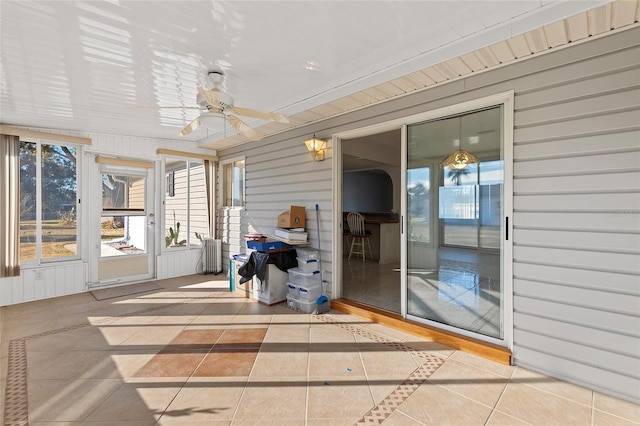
419 204
233 179
185 204
48 202
123 222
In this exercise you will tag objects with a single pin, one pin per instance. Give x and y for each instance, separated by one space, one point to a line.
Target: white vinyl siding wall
278 175
577 222
576 201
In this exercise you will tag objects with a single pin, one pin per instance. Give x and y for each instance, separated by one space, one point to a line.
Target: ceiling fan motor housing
215 77
225 101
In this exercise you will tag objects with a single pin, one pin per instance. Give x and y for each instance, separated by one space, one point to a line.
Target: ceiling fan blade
244 128
247 112
190 127
210 97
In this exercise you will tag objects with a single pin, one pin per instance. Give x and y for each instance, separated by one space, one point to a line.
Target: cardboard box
294 218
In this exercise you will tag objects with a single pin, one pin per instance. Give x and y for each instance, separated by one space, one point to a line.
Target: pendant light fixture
460 159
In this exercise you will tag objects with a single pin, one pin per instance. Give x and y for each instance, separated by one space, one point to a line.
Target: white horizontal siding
577 222
576 371
279 175
576 268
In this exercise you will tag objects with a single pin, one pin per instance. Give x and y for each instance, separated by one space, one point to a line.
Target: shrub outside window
185 203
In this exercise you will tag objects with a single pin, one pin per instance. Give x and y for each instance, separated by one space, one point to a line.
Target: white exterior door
127 225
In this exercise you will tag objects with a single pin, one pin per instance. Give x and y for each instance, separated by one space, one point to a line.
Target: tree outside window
48 201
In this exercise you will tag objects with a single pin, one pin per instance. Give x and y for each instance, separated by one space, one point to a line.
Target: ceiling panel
82 66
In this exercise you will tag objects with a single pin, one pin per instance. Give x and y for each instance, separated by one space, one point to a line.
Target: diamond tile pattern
234 361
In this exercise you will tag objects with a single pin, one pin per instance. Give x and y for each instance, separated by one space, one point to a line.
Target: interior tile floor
193 353
464 291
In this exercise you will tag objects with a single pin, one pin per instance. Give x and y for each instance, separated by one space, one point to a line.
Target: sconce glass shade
459 160
314 144
316 147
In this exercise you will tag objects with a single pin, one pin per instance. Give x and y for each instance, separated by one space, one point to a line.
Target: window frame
39 258
223 183
166 193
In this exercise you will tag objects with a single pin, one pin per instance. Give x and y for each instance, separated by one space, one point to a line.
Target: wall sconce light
316 147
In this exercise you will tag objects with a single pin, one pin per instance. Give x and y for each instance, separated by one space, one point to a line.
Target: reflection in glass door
454 218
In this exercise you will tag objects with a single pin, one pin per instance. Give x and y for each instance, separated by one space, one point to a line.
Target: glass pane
454 280
198 217
123 229
123 235
233 187
175 207
28 207
491 178
122 192
459 206
59 194
419 204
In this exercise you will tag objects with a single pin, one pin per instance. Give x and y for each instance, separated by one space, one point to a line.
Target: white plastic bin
308 265
309 293
298 277
292 302
292 290
307 307
307 254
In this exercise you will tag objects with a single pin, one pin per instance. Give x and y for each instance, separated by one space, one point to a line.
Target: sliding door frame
504 98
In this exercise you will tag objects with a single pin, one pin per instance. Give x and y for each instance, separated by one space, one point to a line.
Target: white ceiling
82 65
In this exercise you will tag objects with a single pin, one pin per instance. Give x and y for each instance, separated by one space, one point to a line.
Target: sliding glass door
455 219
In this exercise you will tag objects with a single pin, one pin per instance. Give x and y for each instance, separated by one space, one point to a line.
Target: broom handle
319 252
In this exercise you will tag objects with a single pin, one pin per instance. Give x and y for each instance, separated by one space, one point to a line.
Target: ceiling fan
215 105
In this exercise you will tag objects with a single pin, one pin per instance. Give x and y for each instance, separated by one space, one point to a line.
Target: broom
322 303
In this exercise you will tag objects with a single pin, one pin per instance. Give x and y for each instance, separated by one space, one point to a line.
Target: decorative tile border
378 414
16 410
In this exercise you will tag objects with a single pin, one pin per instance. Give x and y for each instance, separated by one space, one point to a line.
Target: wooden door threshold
467 344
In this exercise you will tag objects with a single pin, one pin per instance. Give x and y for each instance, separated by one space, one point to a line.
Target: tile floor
192 353
464 292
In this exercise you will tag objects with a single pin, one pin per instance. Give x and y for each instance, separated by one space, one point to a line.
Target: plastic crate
310 307
308 265
293 290
307 254
292 302
307 307
309 293
298 277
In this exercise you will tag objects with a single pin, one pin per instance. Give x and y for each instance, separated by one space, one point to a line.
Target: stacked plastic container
305 283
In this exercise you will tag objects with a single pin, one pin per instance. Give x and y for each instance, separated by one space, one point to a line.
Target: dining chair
358 235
